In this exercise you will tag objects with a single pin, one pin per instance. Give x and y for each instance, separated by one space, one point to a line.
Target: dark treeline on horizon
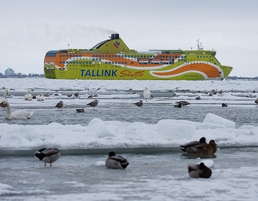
20 75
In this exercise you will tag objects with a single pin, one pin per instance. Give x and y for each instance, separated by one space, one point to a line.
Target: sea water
146 177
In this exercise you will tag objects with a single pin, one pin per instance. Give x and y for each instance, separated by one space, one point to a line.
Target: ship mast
199 45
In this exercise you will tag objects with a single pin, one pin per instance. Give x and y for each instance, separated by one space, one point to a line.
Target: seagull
147 94
48 155
93 103
116 162
59 104
92 92
139 104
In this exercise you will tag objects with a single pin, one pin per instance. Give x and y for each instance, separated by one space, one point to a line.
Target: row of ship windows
107 62
131 56
125 56
203 56
78 62
86 62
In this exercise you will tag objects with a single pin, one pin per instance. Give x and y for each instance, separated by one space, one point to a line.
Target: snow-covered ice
227 183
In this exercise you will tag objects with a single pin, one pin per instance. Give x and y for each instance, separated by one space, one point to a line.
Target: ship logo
116 44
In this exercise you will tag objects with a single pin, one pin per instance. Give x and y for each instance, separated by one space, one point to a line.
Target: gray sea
153 174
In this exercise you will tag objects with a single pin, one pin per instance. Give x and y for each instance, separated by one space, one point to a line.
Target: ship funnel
114 36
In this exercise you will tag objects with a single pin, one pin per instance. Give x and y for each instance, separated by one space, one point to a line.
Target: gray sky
30 28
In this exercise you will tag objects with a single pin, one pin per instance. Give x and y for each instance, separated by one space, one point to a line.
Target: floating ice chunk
215 119
175 129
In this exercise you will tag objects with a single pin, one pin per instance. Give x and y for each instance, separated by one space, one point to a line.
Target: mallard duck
205 149
60 104
18 114
80 110
147 94
116 162
199 171
93 103
139 103
188 147
183 102
48 155
178 105
224 104
198 98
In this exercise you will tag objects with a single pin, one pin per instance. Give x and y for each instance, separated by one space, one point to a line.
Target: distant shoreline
43 76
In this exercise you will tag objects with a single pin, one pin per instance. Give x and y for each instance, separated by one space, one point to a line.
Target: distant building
9 72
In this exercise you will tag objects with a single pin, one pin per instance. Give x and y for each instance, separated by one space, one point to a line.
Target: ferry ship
111 59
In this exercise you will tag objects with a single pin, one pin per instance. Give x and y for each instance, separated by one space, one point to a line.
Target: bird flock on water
193 149
199 148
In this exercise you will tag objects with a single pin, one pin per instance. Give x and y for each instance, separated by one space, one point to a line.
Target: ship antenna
199 45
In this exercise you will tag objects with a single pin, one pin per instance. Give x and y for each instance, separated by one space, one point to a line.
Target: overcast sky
30 28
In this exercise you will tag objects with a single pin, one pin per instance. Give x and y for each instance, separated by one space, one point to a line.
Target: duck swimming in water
116 162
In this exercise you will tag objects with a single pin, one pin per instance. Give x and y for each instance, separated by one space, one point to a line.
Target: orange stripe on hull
209 70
